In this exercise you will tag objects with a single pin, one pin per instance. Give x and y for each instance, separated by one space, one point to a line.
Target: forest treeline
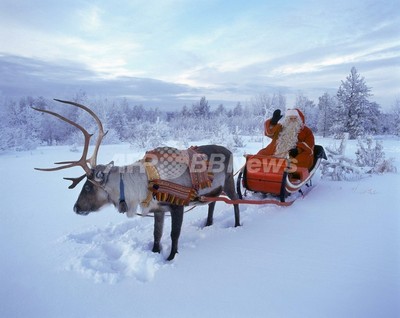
349 110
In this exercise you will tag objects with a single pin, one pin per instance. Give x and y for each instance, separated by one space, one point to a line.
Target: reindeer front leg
176 225
158 231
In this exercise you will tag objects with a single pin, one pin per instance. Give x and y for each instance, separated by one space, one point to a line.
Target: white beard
287 138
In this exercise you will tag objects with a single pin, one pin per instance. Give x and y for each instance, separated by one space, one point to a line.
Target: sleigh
269 177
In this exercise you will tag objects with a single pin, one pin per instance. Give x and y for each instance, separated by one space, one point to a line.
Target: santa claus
290 138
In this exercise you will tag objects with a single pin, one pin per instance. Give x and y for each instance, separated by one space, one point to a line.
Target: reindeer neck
129 186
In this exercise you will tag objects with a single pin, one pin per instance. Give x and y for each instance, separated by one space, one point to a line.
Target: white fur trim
292 112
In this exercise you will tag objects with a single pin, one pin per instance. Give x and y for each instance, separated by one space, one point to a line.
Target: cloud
90 18
177 49
67 78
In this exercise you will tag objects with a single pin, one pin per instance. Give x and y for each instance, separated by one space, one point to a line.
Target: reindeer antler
93 159
83 161
75 181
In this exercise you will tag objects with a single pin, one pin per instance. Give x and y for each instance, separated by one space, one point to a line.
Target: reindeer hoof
171 256
156 248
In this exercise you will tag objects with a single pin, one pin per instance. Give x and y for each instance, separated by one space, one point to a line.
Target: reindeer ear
108 167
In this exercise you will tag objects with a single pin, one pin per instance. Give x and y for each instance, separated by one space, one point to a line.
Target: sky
170 52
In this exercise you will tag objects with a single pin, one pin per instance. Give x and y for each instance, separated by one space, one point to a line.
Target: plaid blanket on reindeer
164 164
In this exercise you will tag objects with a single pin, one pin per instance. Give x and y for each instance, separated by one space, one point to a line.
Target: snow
334 253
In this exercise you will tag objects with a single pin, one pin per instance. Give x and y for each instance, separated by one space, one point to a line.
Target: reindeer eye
87 187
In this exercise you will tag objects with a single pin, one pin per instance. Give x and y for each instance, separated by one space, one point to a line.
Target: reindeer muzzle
78 210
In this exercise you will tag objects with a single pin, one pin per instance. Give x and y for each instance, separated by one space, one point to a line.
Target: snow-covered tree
372 119
222 136
396 117
201 109
148 135
370 155
263 105
370 158
185 112
259 109
353 105
238 110
338 121
25 123
237 138
326 106
339 167
309 110
220 111
117 120
278 101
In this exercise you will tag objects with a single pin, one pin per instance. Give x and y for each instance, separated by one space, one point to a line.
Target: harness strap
152 174
122 207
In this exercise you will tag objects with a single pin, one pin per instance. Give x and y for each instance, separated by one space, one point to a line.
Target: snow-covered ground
335 253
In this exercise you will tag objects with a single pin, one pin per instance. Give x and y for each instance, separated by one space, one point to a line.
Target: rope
246 201
238 170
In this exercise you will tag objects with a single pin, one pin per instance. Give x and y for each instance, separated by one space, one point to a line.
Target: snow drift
335 253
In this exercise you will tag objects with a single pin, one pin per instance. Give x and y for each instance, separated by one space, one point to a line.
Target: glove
276 116
293 152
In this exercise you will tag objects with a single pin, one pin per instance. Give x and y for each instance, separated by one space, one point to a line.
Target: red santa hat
296 113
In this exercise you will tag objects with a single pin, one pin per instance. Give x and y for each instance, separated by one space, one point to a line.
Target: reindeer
127 187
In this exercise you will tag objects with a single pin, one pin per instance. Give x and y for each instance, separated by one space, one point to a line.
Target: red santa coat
305 143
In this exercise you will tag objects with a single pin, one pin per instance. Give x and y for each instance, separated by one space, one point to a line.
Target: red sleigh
276 176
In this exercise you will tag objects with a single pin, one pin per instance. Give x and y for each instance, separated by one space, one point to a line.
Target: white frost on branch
338 167
370 156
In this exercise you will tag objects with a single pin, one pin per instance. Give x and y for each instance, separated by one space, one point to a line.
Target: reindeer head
93 194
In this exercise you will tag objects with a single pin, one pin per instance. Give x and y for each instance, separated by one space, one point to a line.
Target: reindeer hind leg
176 226
158 231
